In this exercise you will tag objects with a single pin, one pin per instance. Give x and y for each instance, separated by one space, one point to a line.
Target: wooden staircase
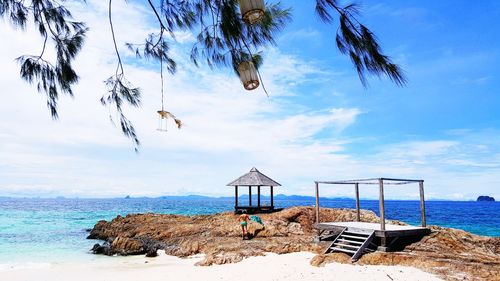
351 242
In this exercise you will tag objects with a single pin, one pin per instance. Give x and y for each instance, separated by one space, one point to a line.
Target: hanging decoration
252 10
248 75
162 121
163 114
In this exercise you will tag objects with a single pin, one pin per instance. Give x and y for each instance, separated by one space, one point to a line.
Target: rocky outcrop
451 253
485 198
218 236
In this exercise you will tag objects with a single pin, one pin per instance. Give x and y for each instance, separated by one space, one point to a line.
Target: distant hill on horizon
241 197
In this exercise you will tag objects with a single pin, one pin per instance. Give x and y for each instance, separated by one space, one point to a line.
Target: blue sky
319 124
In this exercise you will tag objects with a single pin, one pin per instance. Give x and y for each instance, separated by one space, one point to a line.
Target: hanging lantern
163 118
252 10
248 75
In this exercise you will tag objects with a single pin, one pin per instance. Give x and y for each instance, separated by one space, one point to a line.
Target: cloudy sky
318 124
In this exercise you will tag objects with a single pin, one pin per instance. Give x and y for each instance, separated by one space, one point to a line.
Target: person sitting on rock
243 219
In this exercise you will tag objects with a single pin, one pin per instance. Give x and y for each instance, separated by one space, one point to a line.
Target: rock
295 228
128 246
152 253
96 247
105 249
454 254
449 253
485 198
322 259
97 232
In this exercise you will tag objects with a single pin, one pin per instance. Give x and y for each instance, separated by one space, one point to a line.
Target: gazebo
254 178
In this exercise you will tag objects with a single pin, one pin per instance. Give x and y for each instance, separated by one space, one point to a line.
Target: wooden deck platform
393 238
256 209
391 230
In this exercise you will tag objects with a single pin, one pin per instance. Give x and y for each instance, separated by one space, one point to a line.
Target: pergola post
272 198
422 203
236 196
258 196
249 195
356 188
381 204
317 202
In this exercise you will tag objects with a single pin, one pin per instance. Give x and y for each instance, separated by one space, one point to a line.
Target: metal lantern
162 120
248 75
252 10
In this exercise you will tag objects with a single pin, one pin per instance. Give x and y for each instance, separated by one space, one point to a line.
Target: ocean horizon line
201 196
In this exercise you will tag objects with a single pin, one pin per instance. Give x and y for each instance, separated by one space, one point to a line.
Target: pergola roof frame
373 181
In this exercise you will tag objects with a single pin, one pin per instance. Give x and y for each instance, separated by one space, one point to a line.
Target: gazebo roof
253 178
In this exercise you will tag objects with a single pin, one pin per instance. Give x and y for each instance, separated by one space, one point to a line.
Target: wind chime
163 114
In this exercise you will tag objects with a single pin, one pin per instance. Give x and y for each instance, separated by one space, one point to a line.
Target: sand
289 267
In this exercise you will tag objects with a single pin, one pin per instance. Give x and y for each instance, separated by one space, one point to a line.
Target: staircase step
346 245
353 237
343 250
351 241
364 234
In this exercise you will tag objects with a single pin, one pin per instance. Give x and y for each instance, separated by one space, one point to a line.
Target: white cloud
228 130
457 167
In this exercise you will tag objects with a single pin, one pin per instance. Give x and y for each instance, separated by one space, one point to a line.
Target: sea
36 230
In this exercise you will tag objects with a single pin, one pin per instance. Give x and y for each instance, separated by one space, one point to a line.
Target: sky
319 122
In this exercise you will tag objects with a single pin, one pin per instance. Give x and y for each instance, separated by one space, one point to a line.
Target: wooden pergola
254 178
356 237
375 181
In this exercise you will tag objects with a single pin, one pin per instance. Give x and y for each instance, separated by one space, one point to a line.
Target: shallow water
54 230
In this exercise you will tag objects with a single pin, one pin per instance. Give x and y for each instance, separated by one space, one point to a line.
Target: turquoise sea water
54 230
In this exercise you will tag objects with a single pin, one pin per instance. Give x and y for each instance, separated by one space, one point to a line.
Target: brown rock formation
453 254
127 246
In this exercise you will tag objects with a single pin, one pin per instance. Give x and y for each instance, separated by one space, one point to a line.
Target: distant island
486 198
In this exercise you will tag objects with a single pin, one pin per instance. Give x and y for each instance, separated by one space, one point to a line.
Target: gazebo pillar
236 196
249 195
258 196
272 198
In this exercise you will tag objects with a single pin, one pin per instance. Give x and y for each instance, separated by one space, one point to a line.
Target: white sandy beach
288 267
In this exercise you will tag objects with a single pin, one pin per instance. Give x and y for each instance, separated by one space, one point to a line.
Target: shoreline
292 266
449 253
216 240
